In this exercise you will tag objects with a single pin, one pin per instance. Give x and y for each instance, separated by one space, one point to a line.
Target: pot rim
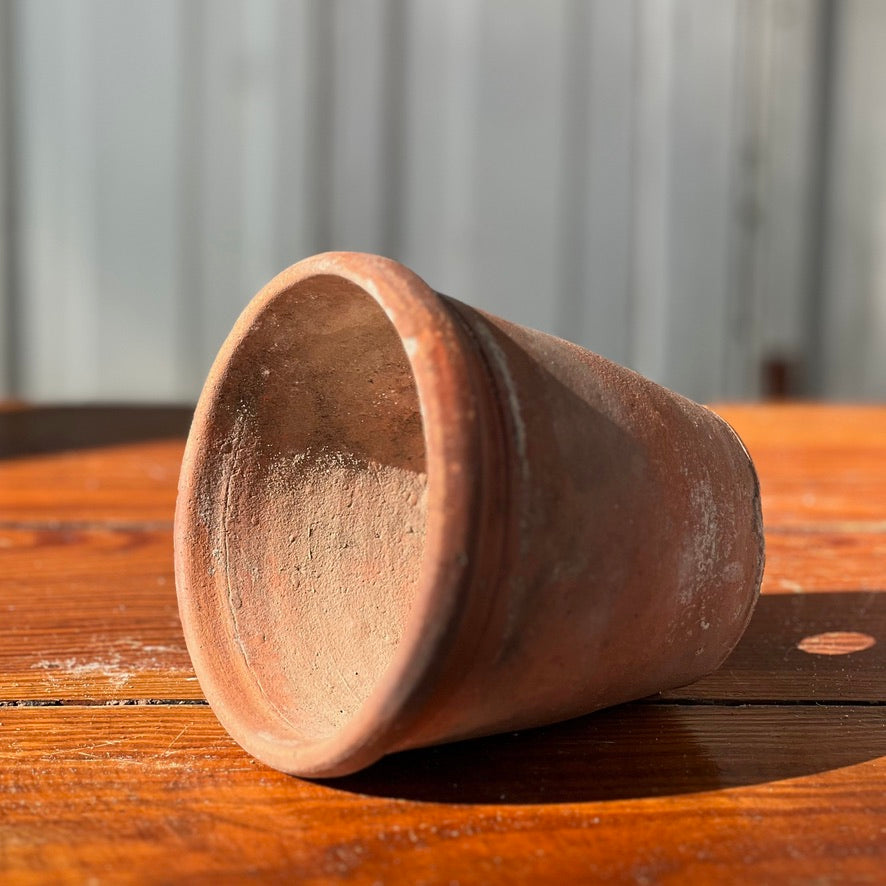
441 366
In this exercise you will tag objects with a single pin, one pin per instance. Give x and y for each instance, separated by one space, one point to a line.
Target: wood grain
90 466
113 770
769 665
90 614
657 794
800 562
806 479
129 485
810 427
120 465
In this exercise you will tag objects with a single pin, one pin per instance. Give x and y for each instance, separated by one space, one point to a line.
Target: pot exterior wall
633 549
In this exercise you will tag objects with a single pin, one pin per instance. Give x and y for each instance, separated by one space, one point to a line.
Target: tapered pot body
402 521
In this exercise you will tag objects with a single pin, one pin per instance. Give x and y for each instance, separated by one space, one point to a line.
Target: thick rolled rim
440 366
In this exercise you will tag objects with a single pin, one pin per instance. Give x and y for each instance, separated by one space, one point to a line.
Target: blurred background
696 189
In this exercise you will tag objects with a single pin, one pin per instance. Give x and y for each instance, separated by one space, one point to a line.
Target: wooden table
113 769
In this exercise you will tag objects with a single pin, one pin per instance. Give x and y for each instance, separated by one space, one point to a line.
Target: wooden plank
816 427
90 615
709 784
855 503
130 484
810 562
820 466
770 664
663 794
808 481
63 465
36 431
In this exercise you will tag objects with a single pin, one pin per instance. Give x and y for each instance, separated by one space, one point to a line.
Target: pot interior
317 502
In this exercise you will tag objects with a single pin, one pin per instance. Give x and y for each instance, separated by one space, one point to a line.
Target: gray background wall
694 188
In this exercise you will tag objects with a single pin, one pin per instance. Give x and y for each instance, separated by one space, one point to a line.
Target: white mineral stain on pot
410 345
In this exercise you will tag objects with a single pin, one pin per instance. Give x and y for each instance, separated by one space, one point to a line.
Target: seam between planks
766 702
664 702
88 525
101 703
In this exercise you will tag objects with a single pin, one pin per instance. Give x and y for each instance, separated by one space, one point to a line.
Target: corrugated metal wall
640 177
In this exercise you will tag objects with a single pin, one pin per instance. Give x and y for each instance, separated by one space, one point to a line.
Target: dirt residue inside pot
318 506
336 581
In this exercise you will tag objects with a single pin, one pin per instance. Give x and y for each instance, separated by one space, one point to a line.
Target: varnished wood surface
92 470
769 664
94 617
658 794
97 466
112 768
806 479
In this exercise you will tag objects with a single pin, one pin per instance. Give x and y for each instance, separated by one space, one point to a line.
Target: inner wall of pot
324 522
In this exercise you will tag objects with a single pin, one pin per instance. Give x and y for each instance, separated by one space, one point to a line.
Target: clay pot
402 521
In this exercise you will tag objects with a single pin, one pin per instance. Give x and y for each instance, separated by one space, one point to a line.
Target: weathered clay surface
402 521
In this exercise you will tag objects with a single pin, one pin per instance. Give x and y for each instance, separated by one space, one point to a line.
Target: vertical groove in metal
636 153
459 152
394 131
190 195
828 40
9 339
320 134
291 80
261 126
652 136
76 305
571 281
489 131
631 318
740 267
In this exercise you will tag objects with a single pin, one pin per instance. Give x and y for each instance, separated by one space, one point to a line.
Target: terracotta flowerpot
402 521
